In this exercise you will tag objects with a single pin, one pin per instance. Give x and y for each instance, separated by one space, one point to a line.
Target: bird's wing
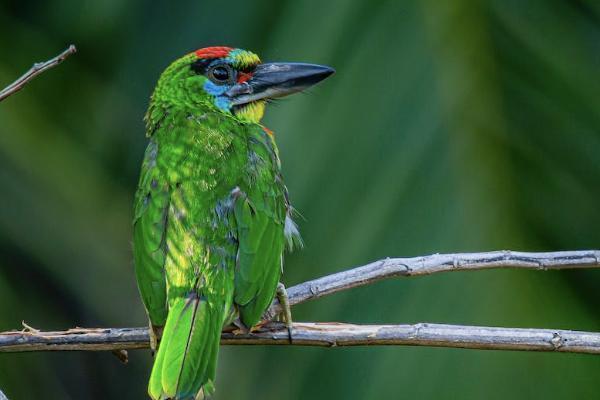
260 214
149 237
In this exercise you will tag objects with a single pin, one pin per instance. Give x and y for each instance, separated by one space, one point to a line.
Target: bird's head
234 81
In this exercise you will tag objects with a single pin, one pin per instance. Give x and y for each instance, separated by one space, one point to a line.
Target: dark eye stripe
199 66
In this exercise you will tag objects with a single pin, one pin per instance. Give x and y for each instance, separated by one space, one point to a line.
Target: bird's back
208 229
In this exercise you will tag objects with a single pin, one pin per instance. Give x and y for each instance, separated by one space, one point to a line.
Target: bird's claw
155 333
286 313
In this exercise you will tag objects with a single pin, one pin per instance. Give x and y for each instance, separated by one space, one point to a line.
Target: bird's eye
220 74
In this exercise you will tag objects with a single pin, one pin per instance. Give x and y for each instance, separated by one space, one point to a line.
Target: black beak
274 80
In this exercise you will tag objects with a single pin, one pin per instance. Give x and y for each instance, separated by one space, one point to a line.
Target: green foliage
456 126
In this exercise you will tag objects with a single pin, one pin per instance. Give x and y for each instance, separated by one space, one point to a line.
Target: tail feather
186 361
155 388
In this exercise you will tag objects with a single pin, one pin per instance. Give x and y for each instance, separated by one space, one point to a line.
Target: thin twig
328 334
34 71
336 334
427 265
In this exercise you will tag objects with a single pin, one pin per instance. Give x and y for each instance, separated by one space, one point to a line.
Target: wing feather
149 237
260 219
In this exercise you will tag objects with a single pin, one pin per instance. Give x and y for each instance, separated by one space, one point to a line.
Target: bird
212 216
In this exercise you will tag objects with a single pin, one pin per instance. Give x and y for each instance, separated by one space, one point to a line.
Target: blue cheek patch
218 91
223 103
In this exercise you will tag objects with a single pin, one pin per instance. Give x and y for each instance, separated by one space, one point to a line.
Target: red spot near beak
243 77
213 52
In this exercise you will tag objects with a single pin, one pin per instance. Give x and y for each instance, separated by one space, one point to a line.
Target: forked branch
337 334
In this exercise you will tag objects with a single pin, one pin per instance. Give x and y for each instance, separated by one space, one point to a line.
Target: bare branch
338 334
328 334
34 71
93 339
426 265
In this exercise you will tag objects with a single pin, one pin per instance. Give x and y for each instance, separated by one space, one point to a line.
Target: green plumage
210 212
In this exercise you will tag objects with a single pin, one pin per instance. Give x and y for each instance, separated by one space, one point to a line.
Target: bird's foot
241 329
155 334
286 313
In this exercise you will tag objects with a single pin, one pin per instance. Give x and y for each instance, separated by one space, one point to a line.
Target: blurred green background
450 126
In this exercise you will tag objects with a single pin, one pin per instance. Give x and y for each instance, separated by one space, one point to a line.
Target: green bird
211 212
